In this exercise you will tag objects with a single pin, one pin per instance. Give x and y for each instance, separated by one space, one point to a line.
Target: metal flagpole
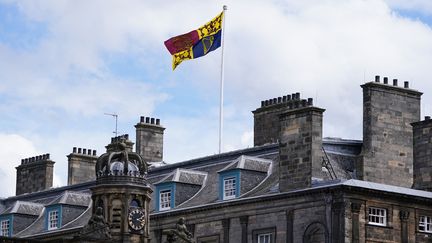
222 81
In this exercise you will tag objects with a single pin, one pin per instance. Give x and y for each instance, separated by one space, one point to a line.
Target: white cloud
324 49
13 148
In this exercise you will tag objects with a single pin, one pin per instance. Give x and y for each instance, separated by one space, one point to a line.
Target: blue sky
66 63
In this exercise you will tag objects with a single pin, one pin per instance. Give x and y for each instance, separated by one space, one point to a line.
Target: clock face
136 219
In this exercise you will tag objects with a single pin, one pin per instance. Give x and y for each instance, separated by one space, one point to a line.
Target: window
377 216
4 225
229 188
53 217
264 238
165 200
425 224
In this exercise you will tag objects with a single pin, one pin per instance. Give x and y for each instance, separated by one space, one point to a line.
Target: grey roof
22 207
194 177
249 163
73 198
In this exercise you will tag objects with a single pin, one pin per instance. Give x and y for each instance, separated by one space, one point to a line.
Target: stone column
355 221
244 224
338 222
290 226
226 228
404 216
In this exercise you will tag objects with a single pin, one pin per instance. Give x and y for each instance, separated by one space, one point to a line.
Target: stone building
292 186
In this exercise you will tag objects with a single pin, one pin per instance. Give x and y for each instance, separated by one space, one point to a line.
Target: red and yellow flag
196 43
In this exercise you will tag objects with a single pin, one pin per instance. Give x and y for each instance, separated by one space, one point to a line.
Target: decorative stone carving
97 229
180 234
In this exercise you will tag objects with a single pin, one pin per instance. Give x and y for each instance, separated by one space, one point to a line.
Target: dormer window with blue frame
6 226
53 217
165 196
229 184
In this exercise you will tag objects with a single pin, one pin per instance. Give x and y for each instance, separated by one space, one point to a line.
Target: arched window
315 233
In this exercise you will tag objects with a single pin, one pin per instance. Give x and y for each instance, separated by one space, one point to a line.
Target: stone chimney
388 111
266 118
34 174
300 140
149 139
115 140
423 154
81 165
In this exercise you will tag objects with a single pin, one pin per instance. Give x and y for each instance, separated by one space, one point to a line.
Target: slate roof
23 207
249 163
186 176
72 198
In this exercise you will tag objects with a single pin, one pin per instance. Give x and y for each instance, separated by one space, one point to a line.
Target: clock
136 219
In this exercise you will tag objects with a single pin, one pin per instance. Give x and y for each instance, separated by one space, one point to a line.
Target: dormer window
229 191
5 227
165 194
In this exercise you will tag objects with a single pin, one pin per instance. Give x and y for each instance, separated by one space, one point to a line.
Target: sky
63 64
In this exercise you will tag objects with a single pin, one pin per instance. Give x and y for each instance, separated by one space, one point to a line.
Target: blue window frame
165 196
53 217
6 225
229 184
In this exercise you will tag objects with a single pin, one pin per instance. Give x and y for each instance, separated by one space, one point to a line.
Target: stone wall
423 154
34 174
388 111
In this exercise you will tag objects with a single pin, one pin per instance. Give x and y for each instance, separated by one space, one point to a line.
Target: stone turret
423 154
149 139
81 165
388 111
34 174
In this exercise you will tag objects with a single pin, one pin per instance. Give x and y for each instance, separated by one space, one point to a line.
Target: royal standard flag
196 43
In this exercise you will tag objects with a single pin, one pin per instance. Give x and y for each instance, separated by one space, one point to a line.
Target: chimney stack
34 174
149 139
81 165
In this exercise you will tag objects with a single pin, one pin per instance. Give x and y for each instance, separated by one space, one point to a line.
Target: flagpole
222 81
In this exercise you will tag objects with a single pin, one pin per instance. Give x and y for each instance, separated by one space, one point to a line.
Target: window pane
229 188
377 216
165 200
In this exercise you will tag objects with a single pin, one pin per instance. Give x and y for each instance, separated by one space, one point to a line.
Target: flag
196 43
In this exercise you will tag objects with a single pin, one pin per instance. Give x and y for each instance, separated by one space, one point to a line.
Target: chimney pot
310 101
84 151
297 95
279 99
89 151
141 119
74 150
274 100
395 82
303 103
427 117
147 120
79 150
284 99
288 97
377 78
94 152
157 121
152 121
266 103
385 80
406 84
262 103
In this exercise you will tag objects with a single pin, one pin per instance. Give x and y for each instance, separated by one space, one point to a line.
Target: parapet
35 159
292 101
83 151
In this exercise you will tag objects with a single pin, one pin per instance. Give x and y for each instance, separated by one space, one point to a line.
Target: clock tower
122 193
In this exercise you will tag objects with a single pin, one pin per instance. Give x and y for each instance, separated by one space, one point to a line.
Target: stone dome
117 166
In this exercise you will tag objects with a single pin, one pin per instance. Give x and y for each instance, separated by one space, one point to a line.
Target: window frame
168 202
427 225
271 232
8 230
229 175
49 219
377 215
232 189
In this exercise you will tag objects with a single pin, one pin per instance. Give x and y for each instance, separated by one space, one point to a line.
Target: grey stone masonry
34 174
388 111
81 165
266 118
300 147
423 154
149 139
113 146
